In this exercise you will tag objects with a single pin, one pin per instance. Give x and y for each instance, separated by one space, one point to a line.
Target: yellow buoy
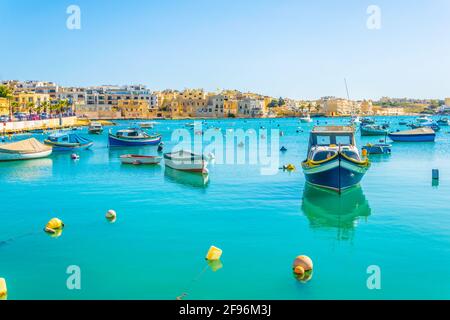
214 253
55 224
111 215
303 261
290 167
3 289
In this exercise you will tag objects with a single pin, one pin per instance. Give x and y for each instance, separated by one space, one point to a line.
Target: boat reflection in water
186 178
28 170
326 209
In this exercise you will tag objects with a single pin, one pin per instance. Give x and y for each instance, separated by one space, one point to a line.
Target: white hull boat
306 119
24 150
186 161
139 159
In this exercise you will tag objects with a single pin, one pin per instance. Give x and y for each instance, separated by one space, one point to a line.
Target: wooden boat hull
412 138
115 141
137 159
337 174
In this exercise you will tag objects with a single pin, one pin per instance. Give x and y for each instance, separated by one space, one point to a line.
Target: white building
251 107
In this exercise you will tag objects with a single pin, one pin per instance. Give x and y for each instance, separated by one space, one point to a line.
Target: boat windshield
323 155
351 154
326 140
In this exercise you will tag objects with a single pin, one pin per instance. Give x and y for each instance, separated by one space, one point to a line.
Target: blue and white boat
378 148
132 137
423 134
66 141
333 160
443 122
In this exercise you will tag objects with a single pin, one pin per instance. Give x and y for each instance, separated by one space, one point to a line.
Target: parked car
33 117
44 115
4 118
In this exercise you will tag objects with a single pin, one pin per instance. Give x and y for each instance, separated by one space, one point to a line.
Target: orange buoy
303 261
298 270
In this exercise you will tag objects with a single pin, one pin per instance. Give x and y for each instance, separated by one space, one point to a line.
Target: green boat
373 130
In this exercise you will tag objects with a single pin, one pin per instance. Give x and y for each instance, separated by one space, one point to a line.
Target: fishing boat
147 125
186 161
132 137
443 122
373 130
95 128
403 123
424 119
378 148
431 125
416 135
64 141
139 159
355 120
190 125
306 119
24 150
333 160
365 121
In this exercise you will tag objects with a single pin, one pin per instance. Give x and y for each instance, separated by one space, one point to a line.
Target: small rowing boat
139 159
95 128
186 161
63 141
132 137
306 119
379 148
416 135
373 130
24 150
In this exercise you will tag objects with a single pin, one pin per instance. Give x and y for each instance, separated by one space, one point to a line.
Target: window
343 140
323 140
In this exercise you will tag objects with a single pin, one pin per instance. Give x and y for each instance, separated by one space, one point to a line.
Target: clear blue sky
298 49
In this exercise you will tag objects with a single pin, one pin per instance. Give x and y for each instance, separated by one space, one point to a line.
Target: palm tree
30 106
6 92
45 106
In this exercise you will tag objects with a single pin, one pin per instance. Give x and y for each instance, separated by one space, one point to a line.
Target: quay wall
18 126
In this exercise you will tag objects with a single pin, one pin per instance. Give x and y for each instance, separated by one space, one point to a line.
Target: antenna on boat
346 89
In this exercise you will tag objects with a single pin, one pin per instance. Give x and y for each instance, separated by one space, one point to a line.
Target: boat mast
348 96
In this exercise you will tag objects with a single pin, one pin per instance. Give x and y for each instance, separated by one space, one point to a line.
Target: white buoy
111 215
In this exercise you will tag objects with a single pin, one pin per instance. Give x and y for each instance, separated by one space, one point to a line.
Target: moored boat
24 150
132 137
416 135
147 125
333 160
306 119
63 141
139 159
367 121
186 161
378 148
95 128
443 122
373 130
424 119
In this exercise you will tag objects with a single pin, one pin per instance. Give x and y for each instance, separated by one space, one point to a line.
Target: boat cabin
326 141
130 133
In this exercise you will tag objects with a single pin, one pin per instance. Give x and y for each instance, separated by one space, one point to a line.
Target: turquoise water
167 220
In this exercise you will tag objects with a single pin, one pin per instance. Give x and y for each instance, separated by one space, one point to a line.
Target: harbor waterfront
397 219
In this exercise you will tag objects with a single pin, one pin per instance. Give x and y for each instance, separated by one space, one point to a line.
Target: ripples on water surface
167 220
